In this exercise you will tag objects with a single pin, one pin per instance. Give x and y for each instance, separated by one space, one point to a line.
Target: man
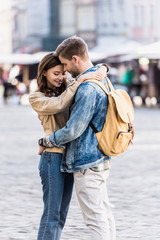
82 157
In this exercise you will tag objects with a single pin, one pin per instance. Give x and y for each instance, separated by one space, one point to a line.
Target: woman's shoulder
36 94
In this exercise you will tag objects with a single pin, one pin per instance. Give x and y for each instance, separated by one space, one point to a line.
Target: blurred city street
133 185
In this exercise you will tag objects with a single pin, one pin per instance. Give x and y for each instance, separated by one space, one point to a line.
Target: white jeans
92 195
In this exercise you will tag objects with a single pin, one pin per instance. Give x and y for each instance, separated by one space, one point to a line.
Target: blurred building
61 23
44 25
5 27
72 17
113 29
143 19
132 19
19 25
30 26
111 18
86 21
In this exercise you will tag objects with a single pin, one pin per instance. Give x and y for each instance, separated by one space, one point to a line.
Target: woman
51 102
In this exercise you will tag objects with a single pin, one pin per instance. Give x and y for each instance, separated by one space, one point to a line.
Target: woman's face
55 76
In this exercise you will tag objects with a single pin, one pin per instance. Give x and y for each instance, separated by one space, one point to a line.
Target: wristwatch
40 142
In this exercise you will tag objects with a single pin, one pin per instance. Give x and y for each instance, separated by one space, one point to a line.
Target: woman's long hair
49 61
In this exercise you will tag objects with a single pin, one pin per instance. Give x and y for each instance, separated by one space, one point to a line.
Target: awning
151 51
29 59
115 46
21 58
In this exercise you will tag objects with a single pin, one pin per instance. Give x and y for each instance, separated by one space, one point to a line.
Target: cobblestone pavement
133 187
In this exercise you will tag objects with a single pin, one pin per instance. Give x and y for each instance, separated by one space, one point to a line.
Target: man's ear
44 73
75 59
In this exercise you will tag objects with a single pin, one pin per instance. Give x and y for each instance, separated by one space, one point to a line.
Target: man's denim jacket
90 104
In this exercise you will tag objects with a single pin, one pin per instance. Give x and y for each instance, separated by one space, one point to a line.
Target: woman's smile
58 82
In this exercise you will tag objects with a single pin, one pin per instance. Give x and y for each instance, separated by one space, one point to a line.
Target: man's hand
41 150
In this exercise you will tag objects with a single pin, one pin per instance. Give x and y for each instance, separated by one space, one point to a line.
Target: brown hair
49 61
72 46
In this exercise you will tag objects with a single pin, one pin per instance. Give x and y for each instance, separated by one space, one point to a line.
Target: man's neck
85 66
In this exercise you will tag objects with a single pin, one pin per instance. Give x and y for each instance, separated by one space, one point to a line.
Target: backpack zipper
122 132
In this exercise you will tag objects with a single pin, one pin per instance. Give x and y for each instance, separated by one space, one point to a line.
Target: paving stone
133 186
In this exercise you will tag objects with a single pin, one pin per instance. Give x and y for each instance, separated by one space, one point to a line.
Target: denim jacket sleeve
81 115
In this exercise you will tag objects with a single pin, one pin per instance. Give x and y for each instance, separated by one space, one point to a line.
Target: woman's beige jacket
53 111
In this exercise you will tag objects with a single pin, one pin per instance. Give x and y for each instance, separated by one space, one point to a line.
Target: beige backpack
117 132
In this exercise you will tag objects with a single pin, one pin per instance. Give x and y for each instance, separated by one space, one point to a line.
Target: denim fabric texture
90 104
57 191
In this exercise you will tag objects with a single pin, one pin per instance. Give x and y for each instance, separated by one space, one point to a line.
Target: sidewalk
133 185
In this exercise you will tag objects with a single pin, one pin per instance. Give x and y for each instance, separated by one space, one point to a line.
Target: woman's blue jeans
57 192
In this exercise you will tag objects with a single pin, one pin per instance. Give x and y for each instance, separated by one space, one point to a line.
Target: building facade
30 25
72 17
33 27
19 25
5 27
143 22
133 19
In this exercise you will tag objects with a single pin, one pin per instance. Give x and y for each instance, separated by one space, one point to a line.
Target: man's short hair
72 46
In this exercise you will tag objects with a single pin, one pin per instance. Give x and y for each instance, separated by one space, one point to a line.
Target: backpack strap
93 127
108 85
101 85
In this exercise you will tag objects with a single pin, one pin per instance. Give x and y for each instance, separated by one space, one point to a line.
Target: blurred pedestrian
51 102
89 166
8 87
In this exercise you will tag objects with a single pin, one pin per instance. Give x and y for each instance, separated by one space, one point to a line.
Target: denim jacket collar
92 69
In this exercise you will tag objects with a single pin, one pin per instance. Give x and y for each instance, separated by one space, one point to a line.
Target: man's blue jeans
57 192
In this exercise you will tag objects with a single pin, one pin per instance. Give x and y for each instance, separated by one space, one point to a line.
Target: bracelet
40 142
48 142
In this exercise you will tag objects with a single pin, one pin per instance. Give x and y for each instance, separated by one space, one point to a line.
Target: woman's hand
40 120
41 150
99 74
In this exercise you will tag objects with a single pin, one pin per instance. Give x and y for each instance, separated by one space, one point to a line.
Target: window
135 16
142 16
151 15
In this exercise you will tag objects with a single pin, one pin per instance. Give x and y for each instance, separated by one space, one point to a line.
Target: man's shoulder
86 88
87 84
91 87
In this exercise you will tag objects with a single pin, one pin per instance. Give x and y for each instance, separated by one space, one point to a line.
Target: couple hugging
69 150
